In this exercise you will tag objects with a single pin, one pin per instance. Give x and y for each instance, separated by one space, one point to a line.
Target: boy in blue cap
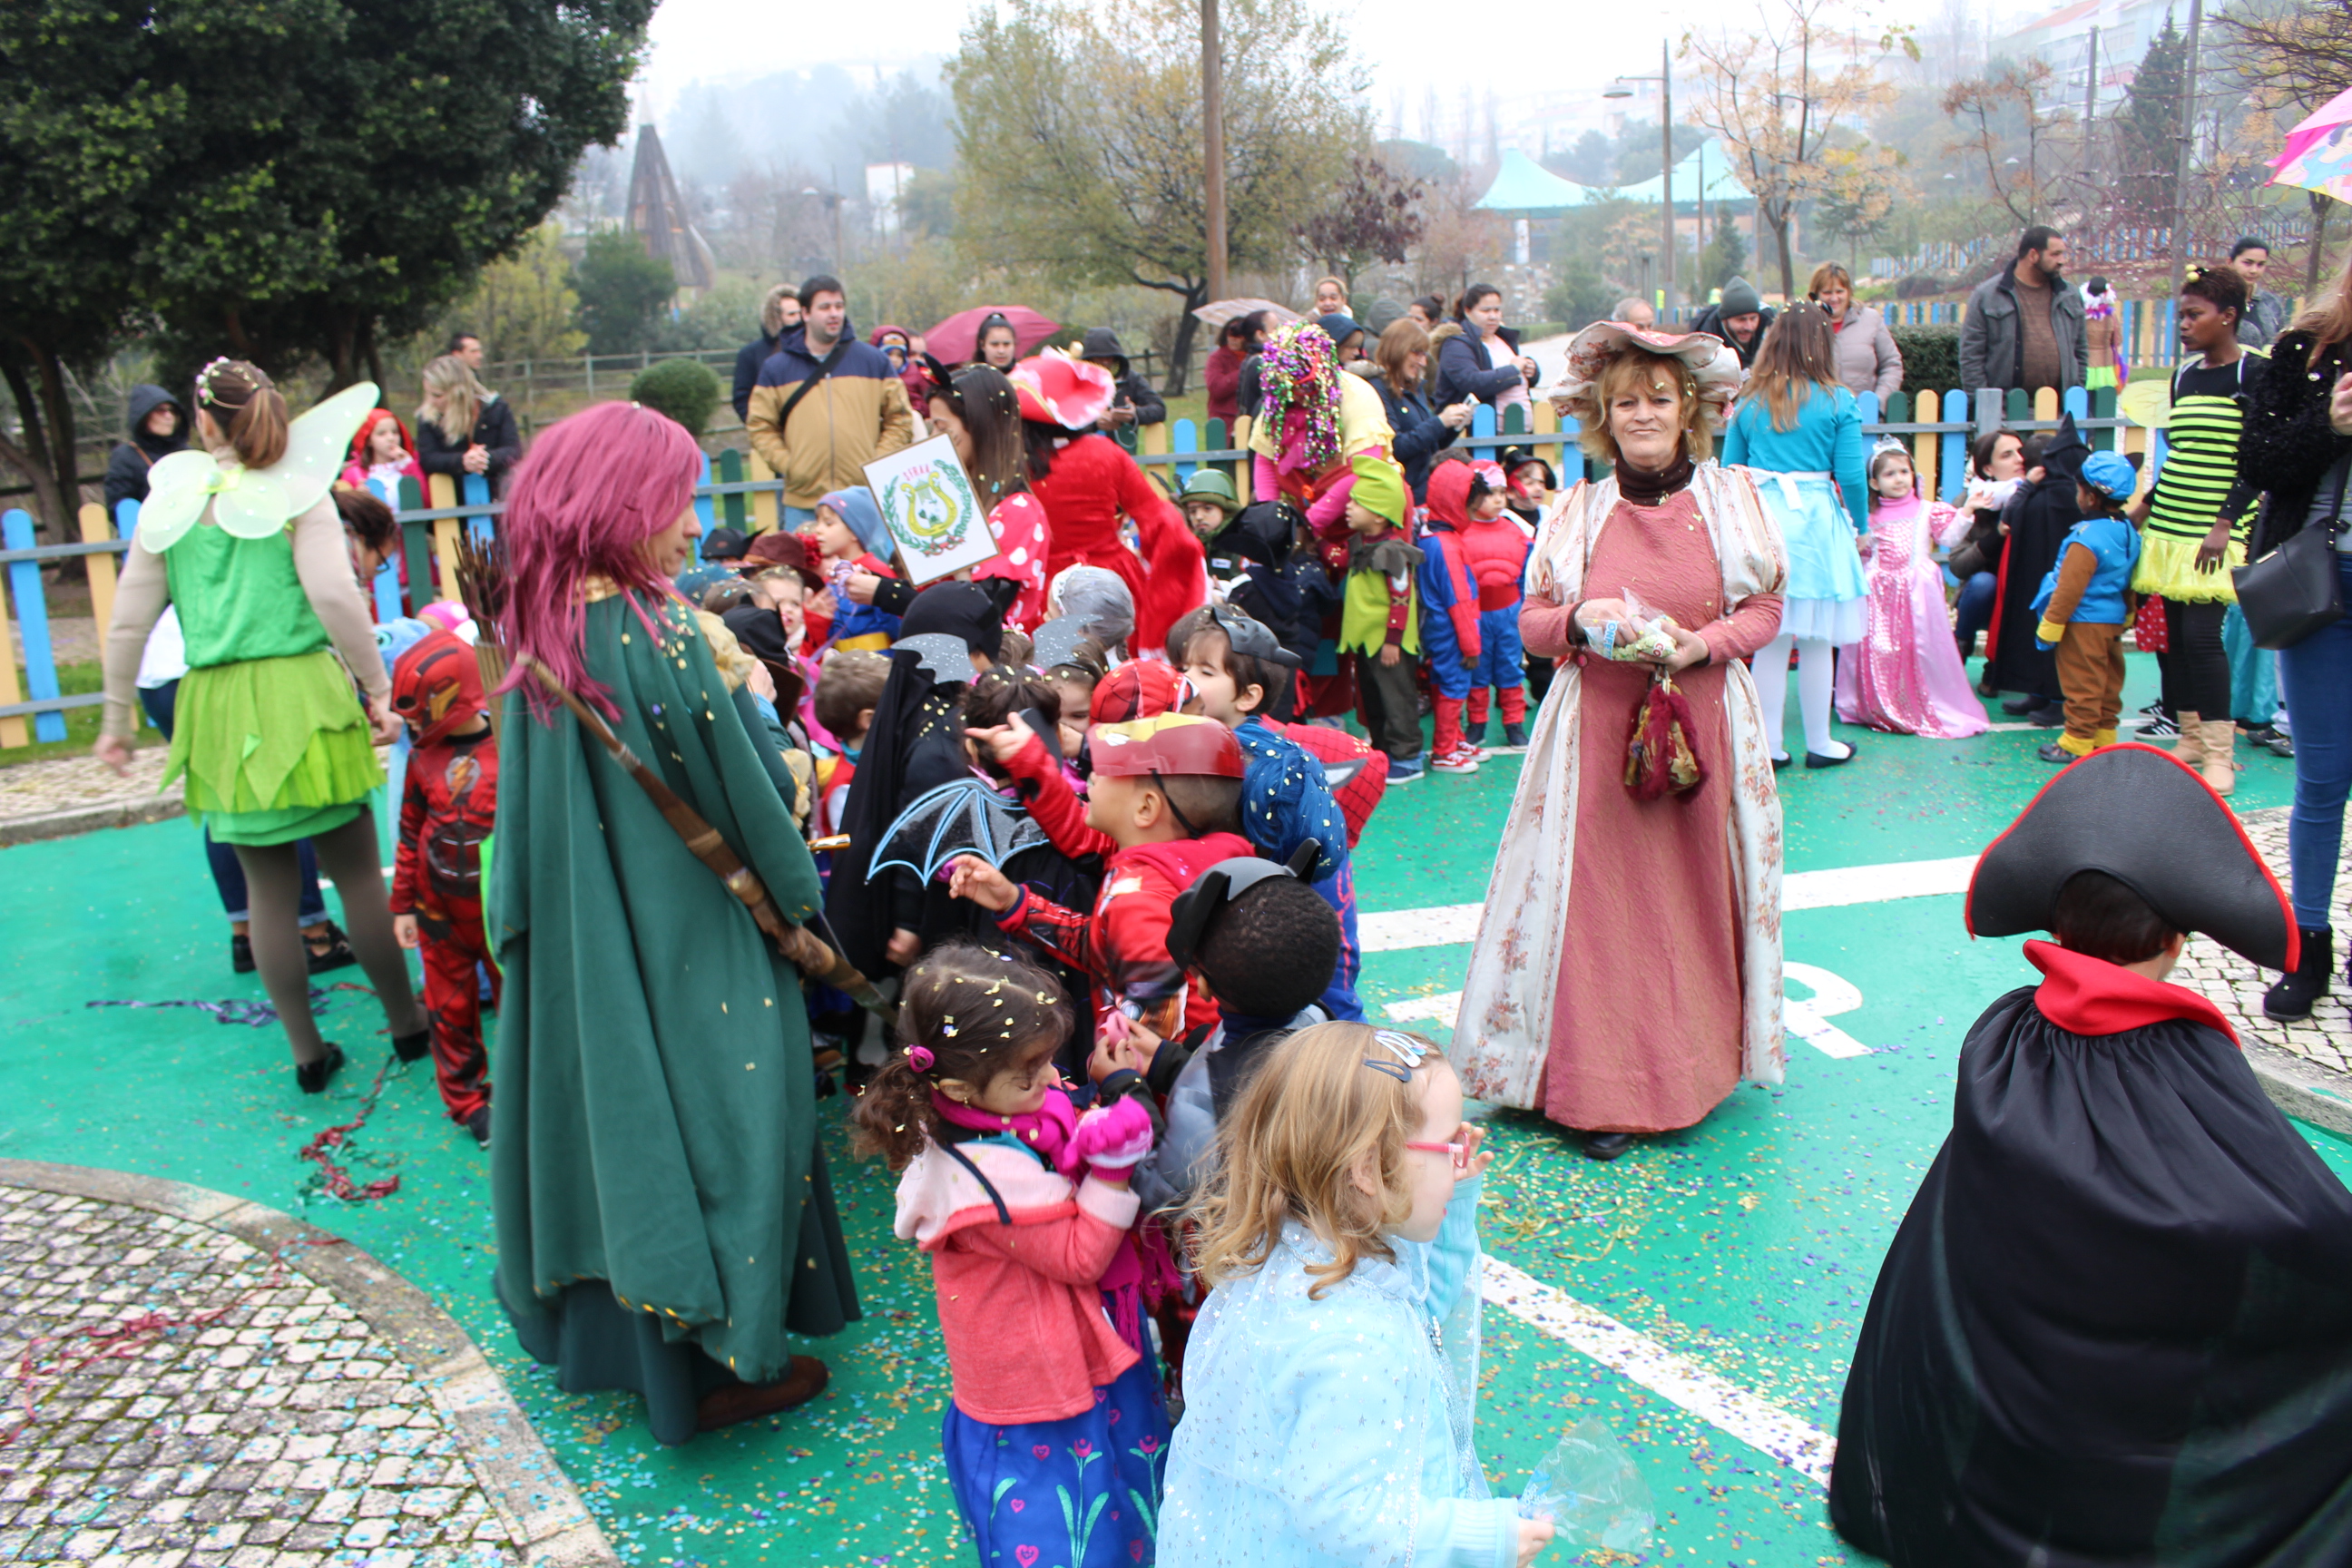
2084 604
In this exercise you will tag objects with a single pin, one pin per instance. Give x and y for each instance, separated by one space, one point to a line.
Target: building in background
657 216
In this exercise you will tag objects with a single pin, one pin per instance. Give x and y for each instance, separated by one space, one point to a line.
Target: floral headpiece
1298 371
1711 368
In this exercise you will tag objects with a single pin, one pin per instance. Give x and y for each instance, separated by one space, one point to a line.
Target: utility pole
2090 99
1213 124
1666 146
2180 245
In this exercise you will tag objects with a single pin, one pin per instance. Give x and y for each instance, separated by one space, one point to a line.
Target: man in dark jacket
2024 325
1136 403
779 312
158 427
1739 318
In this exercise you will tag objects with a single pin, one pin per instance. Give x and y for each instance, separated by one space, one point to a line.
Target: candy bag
1622 628
1591 1491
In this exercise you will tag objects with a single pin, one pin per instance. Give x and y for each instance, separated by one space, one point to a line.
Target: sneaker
1473 735
1515 735
1461 760
240 953
2154 710
2159 727
1404 770
2050 716
2277 742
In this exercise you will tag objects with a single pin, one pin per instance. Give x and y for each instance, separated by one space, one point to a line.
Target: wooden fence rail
738 491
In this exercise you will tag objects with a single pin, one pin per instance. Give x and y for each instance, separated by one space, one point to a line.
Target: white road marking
1442 925
1757 1422
1810 1020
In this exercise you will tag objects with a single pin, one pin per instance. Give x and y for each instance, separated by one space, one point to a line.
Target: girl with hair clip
1329 1383
665 1219
1905 674
239 535
1057 1429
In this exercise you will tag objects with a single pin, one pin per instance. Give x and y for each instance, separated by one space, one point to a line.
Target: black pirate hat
2144 818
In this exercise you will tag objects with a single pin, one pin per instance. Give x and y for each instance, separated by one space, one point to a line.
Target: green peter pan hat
1380 485
1211 485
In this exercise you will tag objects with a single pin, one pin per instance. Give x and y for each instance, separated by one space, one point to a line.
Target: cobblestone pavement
73 784
250 1419
2236 986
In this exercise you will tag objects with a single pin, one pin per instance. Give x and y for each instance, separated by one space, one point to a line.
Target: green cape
655 1114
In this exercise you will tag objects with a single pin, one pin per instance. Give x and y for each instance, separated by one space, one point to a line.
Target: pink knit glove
1113 1138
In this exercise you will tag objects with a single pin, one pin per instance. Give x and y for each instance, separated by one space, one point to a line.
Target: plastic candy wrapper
1624 630
1591 1491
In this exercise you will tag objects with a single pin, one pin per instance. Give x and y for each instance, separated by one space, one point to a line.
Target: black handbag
2293 591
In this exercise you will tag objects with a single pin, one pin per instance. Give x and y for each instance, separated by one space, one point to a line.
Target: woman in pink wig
663 1213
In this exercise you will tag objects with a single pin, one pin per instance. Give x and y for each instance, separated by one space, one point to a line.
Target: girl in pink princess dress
1905 674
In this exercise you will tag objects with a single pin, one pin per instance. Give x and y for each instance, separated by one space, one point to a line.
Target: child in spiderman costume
447 809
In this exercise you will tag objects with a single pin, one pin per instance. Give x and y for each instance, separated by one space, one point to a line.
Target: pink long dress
1646 1034
1905 674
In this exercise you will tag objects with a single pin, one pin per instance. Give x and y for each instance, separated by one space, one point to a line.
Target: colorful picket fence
737 491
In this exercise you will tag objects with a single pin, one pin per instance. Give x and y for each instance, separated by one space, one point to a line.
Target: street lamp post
1665 81
1212 121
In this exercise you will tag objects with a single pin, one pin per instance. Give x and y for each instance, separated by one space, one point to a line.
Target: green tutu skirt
272 750
2167 569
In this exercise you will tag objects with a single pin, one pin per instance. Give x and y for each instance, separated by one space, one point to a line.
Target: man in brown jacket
826 406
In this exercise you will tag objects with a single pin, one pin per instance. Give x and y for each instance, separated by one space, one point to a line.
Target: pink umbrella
2318 155
1217 313
957 339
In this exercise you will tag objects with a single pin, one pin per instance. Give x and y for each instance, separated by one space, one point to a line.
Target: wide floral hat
1710 361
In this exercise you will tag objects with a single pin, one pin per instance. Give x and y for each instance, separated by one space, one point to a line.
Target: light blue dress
1814 483
1338 1432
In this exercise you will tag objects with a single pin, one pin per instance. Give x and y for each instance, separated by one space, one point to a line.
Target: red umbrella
957 339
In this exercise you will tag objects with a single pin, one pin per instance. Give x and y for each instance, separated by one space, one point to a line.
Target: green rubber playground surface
1746 1245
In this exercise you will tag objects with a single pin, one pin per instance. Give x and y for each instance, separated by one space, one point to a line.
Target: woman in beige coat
1867 358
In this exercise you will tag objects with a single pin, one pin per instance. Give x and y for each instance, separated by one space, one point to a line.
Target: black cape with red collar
2115 1326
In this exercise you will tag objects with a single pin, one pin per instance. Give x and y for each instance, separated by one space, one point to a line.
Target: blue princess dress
1812 481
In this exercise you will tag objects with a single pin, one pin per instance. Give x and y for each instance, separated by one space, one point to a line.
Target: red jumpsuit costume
447 809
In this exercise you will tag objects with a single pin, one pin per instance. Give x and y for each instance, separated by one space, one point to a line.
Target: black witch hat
2144 818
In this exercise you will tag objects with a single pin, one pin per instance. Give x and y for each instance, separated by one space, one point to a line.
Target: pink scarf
1046 1128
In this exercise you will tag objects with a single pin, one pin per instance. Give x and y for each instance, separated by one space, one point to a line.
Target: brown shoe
747 1402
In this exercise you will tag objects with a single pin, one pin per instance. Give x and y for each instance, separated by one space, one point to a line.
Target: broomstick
800 947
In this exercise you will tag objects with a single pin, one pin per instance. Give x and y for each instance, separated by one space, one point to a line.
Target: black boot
413 1047
311 1076
1606 1145
2292 997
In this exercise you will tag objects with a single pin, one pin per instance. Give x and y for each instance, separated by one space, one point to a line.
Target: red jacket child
447 809
1152 854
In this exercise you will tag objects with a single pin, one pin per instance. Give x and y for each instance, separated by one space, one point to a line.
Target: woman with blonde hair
1638 1003
1797 427
463 427
1866 355
1418 434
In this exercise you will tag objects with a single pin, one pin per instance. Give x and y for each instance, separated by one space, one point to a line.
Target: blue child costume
2115 1326
1470 573
2084 603
868 627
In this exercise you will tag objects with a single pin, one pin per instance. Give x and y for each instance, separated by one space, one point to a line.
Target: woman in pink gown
1905 674
1639 1003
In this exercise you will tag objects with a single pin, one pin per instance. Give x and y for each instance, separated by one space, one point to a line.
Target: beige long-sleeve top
321 561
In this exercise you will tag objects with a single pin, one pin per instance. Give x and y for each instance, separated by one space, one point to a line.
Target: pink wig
595 488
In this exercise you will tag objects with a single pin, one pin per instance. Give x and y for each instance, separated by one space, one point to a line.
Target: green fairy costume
664 1220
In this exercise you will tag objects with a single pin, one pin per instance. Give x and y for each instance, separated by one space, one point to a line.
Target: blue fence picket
1482 425
1952 458
703 507
1866 406
1183 436
32 619
386 586
475 491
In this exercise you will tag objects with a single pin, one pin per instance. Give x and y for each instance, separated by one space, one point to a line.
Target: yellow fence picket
1925 411
96 531
13 731
763 503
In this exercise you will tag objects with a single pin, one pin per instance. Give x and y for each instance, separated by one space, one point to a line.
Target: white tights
1815 674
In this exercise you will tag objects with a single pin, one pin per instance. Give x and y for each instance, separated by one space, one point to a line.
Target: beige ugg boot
2221 765
2191 747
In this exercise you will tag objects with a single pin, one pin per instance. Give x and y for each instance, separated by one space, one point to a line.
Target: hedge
684 389
1931 357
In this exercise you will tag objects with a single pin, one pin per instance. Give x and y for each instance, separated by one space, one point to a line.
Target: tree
2148 131
1370 215
1776 102
1726 253
280 179
2000 122
1580 297
1857 198
622 290
2293 55
1080 138
1590 160
524 306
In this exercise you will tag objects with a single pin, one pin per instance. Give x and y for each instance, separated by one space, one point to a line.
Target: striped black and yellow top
2198 483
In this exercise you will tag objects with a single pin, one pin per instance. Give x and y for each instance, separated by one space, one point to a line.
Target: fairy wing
178 488
254 504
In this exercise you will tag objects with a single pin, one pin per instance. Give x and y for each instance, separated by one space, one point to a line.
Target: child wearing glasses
1329 1382
1057 1430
